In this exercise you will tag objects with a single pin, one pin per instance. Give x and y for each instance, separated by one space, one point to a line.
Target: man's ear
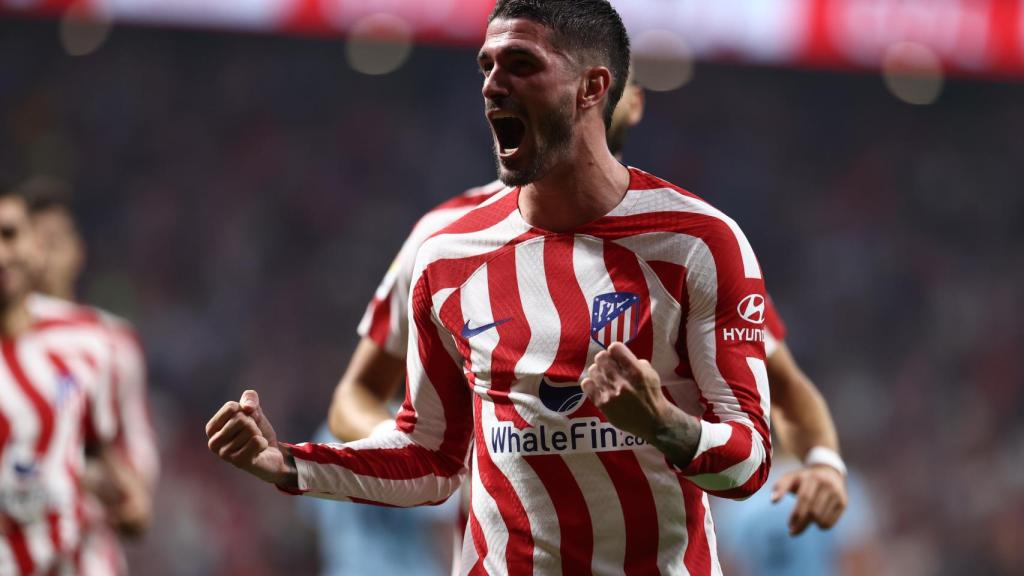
594 87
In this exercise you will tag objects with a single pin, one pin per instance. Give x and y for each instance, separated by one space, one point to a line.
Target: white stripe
539 309
8 565
771 344
668 200
760 372
40 547
491 524
475 299
709 532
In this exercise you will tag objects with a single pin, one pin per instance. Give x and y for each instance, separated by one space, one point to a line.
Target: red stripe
519 552
639 511
5 433
19 546
627 276
576 531
53 521
697 557
380 321
513 336
386 505
445 375
479 542
773 321
43 409
735 450
407 463
485 217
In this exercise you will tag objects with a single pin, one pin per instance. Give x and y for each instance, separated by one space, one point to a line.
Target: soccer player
593 334
119 495
56 367
800 415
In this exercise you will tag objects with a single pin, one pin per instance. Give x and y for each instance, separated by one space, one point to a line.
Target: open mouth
509 130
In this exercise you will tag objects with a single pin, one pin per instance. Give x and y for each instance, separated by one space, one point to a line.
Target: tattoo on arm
678 438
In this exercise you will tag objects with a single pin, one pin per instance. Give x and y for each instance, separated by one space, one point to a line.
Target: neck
580 190
15 319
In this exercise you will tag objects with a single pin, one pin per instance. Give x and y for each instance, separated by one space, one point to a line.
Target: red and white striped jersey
101 550
386 320
55 395
505 319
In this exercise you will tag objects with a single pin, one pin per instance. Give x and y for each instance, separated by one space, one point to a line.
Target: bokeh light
913 73
663 61
83 31
379 44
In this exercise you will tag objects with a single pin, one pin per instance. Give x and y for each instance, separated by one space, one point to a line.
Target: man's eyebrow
510 51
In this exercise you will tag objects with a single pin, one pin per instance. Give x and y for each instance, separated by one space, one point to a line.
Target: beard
552 139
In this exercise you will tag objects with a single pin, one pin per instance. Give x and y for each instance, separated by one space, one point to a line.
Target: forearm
355 412
800 414
360 400
677 436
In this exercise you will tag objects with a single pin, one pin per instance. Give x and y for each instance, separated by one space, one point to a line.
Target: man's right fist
239 433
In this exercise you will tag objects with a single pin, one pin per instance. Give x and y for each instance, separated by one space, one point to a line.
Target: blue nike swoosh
468 332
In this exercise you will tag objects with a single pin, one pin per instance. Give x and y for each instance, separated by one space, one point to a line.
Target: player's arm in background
804 427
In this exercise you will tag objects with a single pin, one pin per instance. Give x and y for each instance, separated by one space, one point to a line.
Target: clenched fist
240 434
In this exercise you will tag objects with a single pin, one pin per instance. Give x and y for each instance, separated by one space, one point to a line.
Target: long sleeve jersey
505 319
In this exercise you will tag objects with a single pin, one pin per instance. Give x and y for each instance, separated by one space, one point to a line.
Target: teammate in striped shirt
593 334
120 485
56 374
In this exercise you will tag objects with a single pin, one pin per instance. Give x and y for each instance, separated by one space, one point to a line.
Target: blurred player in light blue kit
754 540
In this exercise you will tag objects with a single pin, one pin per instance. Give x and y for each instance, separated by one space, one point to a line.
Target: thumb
250 401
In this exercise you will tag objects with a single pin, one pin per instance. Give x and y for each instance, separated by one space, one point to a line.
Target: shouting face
529 91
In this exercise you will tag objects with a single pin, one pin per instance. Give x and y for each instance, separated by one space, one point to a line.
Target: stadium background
242 194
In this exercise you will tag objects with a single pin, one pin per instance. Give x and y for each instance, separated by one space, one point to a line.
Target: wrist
824 456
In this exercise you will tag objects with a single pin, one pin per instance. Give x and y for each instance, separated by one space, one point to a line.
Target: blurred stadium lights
972 37
913 72
664 60
83 30
379 44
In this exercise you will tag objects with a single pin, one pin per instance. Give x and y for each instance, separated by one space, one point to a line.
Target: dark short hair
590 27
43 193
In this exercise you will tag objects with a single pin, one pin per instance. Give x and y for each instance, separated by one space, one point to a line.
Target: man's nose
494 87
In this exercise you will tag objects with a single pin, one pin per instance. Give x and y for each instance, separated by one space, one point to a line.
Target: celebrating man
594 332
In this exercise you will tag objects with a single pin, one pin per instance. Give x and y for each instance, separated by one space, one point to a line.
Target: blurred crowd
242 195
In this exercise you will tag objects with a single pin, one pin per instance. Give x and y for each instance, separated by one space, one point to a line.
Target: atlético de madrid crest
615 318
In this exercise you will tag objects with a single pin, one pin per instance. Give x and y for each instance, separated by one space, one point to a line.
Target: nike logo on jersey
468 332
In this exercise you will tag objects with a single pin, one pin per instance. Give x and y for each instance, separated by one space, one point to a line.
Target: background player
120 489
554 71
800 415
56 375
